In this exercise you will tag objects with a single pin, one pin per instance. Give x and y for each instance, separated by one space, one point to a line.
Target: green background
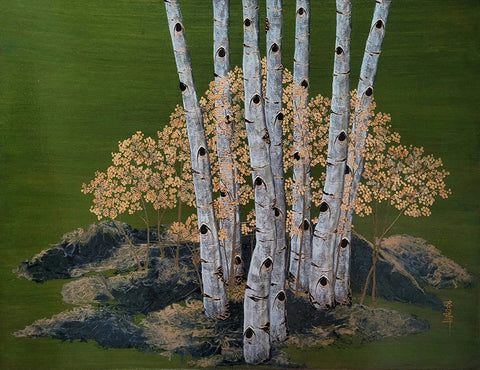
78 76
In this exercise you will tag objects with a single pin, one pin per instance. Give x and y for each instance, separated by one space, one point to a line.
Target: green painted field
76 77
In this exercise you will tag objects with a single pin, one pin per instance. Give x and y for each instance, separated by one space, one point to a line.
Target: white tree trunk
322 279
341 87
356 158
230 220
215 299
301 232
256 304
274 121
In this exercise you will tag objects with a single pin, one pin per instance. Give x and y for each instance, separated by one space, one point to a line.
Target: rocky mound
425 262
138 291
406 265
161 309
182 328
106 326
76 249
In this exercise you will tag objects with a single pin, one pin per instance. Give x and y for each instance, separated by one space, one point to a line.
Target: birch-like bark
230 207
274 120
301 232
356 157
256 342
215 299
322 279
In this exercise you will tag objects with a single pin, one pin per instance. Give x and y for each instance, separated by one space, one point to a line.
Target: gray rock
138 291
48 264
77 248
425 262
108 328
394 282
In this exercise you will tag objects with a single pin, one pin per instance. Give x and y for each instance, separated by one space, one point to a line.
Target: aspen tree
322 277
401 176
356 157
274 121
229 219
301 242
257 346
215 298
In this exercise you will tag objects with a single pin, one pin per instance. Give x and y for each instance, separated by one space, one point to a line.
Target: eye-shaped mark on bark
379 24
247 22
347 170
183 87
256 99
323 282
275 48
281 296
324 207
304 83
306 225
202 151
238 260
301 12
178 27
221 52
344 243
204 230
267 264
296 156
280 116
223 193
249 335
342 136
339 50
277 212
259 182
369 91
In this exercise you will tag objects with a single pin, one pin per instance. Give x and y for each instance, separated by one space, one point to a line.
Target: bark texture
215 299
341 111
274 120
229 219
324 258
301 232
256 304
356 158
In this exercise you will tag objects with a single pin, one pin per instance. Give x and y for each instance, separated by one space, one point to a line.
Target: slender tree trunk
177 241
356 157
160 244
119 226
230 219
301 232
215 298
274 120
256 304
147 224
341 115
322 278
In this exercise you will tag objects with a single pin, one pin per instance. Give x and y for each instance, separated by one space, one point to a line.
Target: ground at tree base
161 309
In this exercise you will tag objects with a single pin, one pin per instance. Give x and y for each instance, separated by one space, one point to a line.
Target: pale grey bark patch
256 304
230 220
356 159
301 239
324 251
274 137
215 299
